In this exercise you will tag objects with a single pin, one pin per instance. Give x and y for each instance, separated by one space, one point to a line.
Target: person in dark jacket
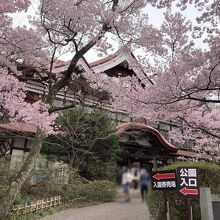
144 181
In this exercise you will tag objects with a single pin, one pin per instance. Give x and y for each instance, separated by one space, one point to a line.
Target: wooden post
26 208
191 212
188 209
168 210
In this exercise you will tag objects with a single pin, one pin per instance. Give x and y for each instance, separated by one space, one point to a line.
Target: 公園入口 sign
164 180
187 182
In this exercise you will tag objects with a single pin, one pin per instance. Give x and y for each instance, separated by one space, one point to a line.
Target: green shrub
49 186
92 191
6 175
90 145
78 189
209 176
21 200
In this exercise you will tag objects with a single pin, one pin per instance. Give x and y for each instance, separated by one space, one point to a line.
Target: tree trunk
15 187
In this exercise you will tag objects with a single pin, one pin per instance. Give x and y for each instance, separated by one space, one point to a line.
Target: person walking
144 181
127 178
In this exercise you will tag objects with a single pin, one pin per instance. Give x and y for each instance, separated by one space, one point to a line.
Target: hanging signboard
164 180
187 182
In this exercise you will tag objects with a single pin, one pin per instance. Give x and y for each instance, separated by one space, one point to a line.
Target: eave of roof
143 127
192 154
19 127
101 61
60 63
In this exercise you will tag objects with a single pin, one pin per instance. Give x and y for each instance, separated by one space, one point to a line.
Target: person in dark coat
144 182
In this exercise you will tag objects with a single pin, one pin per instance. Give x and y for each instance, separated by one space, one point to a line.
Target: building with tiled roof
140 140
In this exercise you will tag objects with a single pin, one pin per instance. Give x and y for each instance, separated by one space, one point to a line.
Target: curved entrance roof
140 134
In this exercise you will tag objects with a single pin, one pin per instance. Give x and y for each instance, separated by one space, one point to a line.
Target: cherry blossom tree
14 108
186 79
187 86
186 82
17 45
76 26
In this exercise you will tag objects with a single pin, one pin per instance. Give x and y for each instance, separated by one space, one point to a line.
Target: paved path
118 210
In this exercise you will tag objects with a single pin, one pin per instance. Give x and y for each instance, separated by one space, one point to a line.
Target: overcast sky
155 18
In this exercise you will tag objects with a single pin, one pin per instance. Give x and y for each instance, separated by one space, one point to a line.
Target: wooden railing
40 88
38 206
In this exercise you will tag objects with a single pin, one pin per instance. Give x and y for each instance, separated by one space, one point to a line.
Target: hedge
209 176
92 191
